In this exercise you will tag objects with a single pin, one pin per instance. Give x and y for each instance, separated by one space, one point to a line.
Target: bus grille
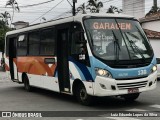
122 86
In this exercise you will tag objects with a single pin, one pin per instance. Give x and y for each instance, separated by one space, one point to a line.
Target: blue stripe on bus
83 69
79 72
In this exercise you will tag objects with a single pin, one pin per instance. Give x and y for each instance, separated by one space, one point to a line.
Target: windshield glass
117 39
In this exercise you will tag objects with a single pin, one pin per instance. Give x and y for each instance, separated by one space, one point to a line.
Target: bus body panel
36 65
127 84
45 75
119 73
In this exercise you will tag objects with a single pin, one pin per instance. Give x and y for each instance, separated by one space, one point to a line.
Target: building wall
135 8
155 43
153 25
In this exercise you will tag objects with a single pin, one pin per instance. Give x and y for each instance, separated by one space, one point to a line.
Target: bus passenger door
13 58
62 60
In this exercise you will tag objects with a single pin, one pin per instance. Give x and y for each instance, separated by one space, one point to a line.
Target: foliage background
3 29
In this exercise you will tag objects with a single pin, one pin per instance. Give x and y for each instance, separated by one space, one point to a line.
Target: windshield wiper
140 32
116 40
137 48
117 45
133 45
150 48
123 39
129 43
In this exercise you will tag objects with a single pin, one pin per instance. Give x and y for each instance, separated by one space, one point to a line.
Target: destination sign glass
111 26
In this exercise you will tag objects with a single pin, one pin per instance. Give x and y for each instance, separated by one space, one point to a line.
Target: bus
84 55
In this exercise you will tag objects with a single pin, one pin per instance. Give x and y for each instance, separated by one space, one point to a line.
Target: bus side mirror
158 60
79 37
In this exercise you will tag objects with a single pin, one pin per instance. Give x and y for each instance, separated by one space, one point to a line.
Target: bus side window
34 41
47 43
22 45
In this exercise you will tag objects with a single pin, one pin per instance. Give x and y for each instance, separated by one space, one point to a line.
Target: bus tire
82 96
27 86
131 97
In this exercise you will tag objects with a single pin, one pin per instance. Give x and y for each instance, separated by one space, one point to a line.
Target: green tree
3 29
14 6
5 16
113 9
82 8
94 6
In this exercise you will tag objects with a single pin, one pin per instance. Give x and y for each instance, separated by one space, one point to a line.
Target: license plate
133 90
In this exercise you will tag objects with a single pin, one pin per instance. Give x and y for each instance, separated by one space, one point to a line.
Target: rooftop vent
20 24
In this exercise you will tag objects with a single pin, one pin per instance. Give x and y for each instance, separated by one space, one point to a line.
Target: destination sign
111 26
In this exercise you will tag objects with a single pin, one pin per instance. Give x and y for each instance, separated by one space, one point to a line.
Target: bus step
66 92
15 80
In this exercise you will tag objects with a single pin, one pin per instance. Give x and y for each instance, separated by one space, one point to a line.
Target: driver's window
76 48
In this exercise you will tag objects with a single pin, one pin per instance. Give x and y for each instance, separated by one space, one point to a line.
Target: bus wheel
131 97
27 86
82 95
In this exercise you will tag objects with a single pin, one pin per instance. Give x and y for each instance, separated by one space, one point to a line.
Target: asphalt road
13 97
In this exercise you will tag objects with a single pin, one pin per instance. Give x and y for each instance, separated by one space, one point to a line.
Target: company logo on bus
111 26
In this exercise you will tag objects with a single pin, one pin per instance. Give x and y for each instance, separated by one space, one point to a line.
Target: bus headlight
102 72
154 68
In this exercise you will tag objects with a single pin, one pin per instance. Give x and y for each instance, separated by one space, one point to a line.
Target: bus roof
64 20
104 15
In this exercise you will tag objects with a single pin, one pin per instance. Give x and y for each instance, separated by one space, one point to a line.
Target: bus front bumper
111 87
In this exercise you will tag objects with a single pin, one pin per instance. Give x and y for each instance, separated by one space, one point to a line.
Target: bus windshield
117 39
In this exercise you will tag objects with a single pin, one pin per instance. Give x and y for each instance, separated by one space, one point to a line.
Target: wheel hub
83 94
